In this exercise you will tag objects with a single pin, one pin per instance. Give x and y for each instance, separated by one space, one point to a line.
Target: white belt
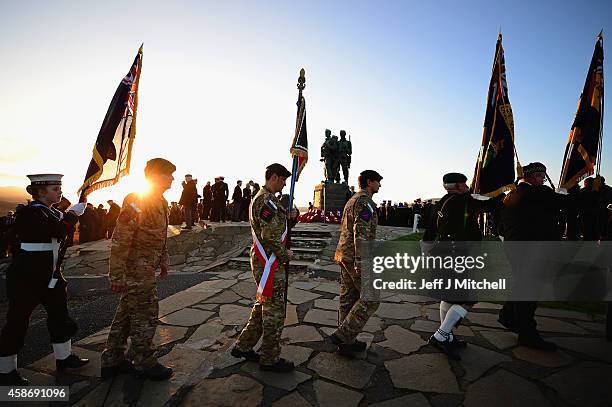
45 247
37 247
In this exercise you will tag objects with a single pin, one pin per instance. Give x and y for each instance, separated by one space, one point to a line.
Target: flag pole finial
499 33
302 80
600 35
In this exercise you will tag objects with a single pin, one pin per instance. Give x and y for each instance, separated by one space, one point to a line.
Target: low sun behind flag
299 147
494 173
113 149
583 149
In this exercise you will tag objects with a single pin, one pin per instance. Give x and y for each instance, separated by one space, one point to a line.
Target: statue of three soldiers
336 154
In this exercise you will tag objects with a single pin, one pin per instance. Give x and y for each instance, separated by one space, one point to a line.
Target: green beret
532 168
453 178
279 170
159 166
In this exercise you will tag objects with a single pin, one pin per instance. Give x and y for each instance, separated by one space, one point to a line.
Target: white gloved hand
78 208
561 191
481 197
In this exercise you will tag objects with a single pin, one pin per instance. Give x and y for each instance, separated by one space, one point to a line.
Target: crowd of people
213 204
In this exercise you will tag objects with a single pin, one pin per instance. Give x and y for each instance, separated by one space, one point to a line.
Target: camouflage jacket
138 245
359 222
268 219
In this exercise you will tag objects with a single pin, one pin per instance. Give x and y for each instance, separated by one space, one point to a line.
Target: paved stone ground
198 327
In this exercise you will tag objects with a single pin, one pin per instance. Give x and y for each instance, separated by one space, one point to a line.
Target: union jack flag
113 149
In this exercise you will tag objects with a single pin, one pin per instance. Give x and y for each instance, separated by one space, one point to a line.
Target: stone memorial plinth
330 197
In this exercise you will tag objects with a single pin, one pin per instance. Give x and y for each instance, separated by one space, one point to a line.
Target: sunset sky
406 79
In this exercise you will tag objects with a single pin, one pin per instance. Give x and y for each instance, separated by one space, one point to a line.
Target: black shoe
458 343
346 350
71 362
13 378
445 347
358 346
157 372
125 366
250 355
536 342
282 366
335 339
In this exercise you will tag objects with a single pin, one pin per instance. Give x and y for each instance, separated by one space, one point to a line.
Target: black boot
250 355
125 366
535 341
156 372
13 378
335 339
71 362
445 347
346 350
282 366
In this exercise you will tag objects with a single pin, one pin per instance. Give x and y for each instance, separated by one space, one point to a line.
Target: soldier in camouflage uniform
268 220
359 222
138 248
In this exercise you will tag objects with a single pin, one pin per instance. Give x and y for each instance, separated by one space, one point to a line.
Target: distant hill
10 197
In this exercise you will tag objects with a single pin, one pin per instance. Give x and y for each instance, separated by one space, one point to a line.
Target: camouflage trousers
354 311
136 318
267 319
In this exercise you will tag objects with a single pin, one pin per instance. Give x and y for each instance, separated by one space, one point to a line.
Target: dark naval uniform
40 232
34 277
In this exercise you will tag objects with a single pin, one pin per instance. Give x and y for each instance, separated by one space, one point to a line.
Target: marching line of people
138 249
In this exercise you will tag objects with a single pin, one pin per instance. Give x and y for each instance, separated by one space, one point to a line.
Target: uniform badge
127 215
268 210
365 215
266 214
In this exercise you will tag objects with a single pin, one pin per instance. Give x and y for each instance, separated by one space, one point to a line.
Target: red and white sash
269 264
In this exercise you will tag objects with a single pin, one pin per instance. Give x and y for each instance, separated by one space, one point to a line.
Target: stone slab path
198 327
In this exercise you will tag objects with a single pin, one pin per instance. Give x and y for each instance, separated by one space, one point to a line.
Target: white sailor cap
45 179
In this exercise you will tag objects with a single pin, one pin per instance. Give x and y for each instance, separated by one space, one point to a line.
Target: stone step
294 263
310 250
310 239
301 253
310 233
298 249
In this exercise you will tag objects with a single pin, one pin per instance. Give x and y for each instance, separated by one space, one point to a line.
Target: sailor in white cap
34 277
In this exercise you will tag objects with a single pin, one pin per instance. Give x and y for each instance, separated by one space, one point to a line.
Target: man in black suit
237 201
246 202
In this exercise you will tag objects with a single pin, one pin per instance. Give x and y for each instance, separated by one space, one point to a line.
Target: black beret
370 175
532 168
159 166
453 178
279 170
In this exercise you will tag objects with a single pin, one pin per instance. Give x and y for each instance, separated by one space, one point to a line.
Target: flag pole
301 85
